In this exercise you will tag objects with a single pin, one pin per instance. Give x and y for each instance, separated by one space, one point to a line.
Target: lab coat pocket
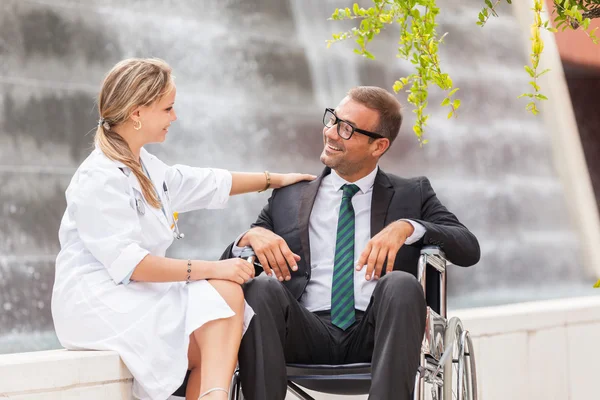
135 297
96 278
102 288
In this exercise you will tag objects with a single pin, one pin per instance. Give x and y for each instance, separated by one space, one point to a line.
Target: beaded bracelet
189 272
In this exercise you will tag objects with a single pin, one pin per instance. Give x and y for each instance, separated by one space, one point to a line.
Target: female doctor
114 288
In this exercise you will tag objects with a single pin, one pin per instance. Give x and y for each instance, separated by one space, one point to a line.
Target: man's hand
384 245
272 252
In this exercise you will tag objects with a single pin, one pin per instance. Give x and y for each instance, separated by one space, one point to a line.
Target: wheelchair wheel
460 382
235 389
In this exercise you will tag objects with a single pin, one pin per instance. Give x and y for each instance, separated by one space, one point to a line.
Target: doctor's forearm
246 182
162 269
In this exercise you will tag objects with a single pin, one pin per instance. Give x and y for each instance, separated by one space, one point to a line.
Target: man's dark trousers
388 334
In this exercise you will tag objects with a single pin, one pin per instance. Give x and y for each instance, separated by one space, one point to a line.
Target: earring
137 126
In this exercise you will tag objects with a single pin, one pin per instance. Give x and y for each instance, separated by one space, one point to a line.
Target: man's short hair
382 101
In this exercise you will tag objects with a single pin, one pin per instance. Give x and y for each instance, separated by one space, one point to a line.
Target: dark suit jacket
288 211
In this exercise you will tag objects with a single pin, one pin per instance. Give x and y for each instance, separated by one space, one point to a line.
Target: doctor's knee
231 292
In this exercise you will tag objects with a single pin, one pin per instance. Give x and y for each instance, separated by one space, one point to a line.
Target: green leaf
597 284
543 72
489 3
530 71
586 24
450 114
456 104
368 55
452 92
398 86
355 8
540 96
445 102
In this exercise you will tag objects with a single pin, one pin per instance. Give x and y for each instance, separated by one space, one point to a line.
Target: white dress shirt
322 230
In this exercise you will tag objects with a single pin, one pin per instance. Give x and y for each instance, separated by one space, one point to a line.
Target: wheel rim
472 370
459 370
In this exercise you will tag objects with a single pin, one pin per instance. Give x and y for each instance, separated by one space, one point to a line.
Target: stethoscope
175 215
176 233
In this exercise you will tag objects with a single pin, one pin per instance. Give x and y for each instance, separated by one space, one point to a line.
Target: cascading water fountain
253 78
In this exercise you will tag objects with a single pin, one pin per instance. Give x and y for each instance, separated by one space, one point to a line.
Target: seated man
340 254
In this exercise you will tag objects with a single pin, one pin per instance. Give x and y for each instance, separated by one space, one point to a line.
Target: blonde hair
130 84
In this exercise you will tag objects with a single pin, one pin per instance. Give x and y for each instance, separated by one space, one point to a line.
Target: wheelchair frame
447 355
447 361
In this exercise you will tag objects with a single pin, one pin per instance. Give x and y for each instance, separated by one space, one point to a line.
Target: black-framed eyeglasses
344 128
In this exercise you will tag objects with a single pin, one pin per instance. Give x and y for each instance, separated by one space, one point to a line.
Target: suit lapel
307 200
383 191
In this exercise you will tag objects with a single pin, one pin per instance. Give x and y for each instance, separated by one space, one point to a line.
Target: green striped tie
342 292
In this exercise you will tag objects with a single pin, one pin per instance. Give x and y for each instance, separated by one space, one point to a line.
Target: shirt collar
144 156
364 184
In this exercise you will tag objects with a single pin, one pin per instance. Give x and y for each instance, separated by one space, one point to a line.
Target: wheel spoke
459 378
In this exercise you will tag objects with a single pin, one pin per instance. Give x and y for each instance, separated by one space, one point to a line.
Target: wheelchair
447 365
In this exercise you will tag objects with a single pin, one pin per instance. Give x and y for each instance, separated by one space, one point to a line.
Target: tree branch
591 14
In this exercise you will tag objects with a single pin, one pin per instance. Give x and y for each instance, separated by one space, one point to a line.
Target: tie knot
350 190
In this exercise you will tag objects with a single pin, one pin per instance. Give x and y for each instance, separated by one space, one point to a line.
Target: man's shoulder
291 189
401 181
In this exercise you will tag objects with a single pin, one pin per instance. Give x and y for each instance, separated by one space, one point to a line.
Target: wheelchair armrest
249 255
435 257
247 252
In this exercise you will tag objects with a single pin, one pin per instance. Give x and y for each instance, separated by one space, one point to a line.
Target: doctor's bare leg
219 341
193 385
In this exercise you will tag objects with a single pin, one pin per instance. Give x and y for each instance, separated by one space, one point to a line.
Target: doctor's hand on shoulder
245 182
281 180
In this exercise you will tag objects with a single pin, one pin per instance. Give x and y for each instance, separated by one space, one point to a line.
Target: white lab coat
103 236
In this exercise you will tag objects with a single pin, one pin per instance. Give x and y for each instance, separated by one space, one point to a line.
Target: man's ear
381 146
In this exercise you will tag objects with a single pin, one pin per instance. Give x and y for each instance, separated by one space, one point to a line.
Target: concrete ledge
530 316
527 351
64 374
538 350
